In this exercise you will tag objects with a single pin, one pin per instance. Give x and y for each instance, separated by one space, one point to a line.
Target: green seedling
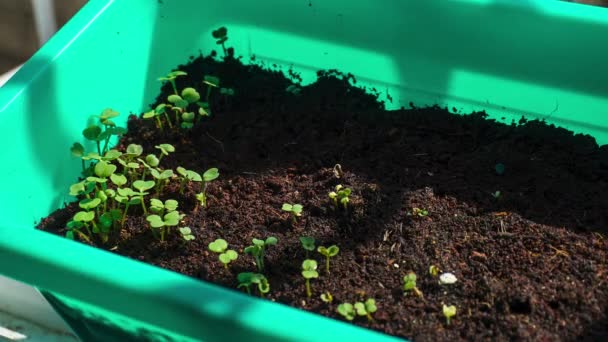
409 284
156 113
246 279
366 309
294 209
308 243
143 186
97 134
77 151
162 178
74 228
258 250
158 207
309 271
434 271
221 36
347 310
327 297
129 168
186 233
83 188
187 176
108 221
165 149
208 176
496 194
170 219
127 197
179 105
84 219
171 78
449 312
149 164
226 256
328 253
420 212
340 196
211 82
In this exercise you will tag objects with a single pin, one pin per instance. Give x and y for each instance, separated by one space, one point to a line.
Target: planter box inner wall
540 59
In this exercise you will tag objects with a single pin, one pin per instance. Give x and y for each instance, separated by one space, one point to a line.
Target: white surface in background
6 76
16 329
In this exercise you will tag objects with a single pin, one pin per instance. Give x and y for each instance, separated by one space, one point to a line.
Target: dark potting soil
531 264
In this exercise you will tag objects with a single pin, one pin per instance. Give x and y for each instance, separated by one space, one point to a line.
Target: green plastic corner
542 59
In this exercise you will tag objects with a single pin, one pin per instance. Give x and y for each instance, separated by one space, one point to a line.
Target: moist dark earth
531 264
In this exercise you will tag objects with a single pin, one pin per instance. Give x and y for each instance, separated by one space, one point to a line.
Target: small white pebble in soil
303 303
396 265
447 279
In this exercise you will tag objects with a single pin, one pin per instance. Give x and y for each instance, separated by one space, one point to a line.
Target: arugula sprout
165 149
208 176
143 186
294 209
162 178
329 252
308 243
158 207
434 270
309 271
74 228
221 36
499 168
186 233
171 219
366 309
187 176
171 78
347 310
340 196
409 284
226 255
156 113
258 250
449 312
127 197
246 279
327 297
420 212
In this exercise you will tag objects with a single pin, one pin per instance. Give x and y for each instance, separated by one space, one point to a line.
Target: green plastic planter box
542 59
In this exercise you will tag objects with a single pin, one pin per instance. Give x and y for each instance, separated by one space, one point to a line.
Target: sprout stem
308 291
327 264
124 215
143 205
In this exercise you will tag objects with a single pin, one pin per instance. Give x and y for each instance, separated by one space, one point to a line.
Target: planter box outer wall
541 59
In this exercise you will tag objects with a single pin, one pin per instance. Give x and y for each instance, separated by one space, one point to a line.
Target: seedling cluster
116 182
350 311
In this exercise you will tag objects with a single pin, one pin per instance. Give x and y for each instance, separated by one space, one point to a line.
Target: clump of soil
531 264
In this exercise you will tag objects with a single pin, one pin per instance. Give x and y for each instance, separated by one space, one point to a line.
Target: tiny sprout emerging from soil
409 284
327 297
309 271
308 243
186 233
156 113
447 279
347 310
226 255
434 270
170 219
449 312
328 252
294 209
258 250
496 194
227 91
420 212
366 309
221 36
171 78
246 279
340 196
